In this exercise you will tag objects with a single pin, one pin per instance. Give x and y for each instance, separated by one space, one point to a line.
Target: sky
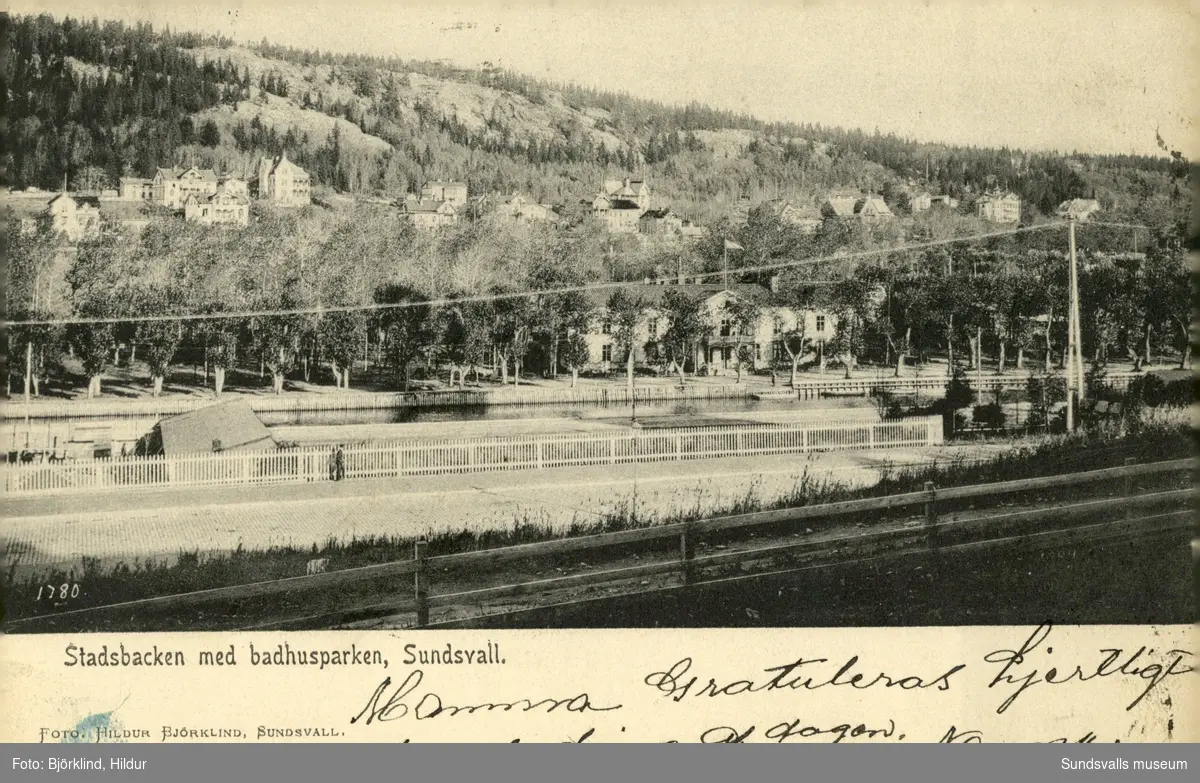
1087 76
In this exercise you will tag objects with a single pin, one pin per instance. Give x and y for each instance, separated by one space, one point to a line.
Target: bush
959 393
1151 391
990 415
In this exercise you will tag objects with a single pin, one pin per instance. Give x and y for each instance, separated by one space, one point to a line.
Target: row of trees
1005 303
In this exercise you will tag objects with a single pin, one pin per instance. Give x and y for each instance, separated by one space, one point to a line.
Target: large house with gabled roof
228 206
283 183
171 187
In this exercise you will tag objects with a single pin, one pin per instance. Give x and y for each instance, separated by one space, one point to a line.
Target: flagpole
726 260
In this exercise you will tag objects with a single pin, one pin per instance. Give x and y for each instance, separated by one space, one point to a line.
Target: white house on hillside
283 182
999 207
226 206
172 187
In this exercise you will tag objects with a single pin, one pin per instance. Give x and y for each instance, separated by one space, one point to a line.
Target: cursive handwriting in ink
402 701
1116 662
967 737
781 732
675 685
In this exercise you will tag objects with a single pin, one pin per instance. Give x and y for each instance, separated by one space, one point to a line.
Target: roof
282 161
25 207
134 181
657 214
1079 205
872 203
123 210
207 175
653 293
842 206
232 424
621 203
426 205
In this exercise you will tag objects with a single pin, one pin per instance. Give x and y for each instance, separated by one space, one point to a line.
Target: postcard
599 372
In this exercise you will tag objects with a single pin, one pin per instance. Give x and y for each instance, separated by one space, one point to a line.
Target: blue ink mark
88 729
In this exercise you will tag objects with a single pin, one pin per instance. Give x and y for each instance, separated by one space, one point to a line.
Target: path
160 524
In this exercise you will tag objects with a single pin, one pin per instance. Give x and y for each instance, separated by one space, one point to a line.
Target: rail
806 388
932 530
466 455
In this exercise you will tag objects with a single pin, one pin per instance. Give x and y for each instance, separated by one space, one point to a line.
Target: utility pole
1079 384
1074 350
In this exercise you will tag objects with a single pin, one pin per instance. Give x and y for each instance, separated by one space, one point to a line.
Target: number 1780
58 592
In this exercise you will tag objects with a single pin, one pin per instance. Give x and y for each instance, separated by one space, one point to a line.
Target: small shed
228 426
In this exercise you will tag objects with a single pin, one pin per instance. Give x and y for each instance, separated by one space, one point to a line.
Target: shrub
990 415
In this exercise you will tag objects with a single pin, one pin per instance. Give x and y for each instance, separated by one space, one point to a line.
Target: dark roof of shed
233 423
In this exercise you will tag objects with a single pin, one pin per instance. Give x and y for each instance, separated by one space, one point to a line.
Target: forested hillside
93 101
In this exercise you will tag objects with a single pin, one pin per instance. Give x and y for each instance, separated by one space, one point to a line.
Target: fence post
1127 490
679 447
931 518
420 586
687 553
871 436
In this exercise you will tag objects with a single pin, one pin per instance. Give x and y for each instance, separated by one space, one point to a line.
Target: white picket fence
468 455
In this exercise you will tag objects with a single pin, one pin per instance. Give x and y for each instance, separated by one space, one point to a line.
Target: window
606 353
653 329
777 326
757 352
820 323
606 327
726 327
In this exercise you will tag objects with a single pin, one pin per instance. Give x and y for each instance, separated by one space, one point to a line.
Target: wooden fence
516 396
930 534
467 455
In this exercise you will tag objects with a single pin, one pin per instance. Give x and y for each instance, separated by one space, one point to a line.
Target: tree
687 324
406 330
342 334
1167 274
743 314
99 281
854 301
161 339
94 345
220 347
210 134
575 355
513 332
626 312
31 294
557 315
277 341
795 295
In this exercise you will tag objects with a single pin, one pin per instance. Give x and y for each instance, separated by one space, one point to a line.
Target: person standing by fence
339 463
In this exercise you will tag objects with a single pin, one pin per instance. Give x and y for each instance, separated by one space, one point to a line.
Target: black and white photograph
597 316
